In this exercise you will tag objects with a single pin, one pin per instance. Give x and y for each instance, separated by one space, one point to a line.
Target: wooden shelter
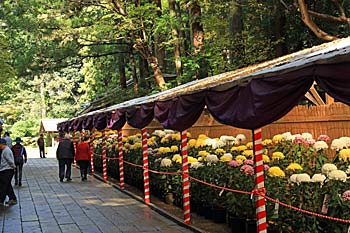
49 127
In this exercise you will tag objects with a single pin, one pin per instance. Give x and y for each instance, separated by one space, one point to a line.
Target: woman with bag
83 157
20 155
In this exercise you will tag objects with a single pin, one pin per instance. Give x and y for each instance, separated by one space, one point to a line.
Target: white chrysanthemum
228 155
209 141
307 135
217 144
165 162
169 131
287 136
337 175
348 170
320 145
303 178
196 165
328 167
337 144
240 137
228 140
345 141
295 136
159 133
318 178
136 140
293 178
211 158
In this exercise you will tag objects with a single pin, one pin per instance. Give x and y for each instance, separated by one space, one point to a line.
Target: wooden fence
333 120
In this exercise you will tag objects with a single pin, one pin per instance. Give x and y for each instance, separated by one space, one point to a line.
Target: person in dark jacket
65 155
41 145
83 157
20 155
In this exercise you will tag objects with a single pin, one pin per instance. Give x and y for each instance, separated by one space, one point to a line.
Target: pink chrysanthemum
247 169
323 137
233 163
249 162
299 140
346 195
266 167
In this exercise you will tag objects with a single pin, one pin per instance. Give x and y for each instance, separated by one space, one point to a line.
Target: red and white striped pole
104 155
75 147
92 156
185 178
259 182
121 159
145 165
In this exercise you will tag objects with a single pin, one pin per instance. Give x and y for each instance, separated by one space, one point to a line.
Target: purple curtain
335 80
88 122
100 120
180 113
117 120
261 101
77 124
140 116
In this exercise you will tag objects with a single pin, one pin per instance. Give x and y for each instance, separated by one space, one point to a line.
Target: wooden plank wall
333 120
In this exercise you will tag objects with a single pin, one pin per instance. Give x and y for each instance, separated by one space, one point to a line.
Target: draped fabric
100 120
335 80
180 113
117 120
250 105
77 124
140 116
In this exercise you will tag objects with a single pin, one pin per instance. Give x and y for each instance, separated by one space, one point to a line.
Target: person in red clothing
83 157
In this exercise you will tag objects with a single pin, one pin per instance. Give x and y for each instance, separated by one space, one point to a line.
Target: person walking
7 166
20 155
83 157
41 145
8 139
65 156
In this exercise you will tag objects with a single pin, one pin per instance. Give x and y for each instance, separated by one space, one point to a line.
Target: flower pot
169 198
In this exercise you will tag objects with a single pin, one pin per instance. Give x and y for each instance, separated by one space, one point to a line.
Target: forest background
59 57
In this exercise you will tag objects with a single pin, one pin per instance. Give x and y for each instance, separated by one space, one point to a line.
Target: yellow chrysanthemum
249 145
188 134
191 159
200 159
164 140
203 153
200 143
176 157
276 172
225 158
241 157
277 155
277 138
136 145
266 159
192 142
220 151
241 148
178 160
138 135
248 153
240 161
344 155
164 150
131 138
176 137
174 148
294 167
97 134
124 139
202 137
267 142
234 148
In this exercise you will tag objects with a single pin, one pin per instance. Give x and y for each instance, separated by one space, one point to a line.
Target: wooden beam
316 95
329 99
311 98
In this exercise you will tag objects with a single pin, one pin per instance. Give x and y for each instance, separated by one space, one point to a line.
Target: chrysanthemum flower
165 162
220 151
276 172
294 167
249 145
328 167
346 195
320 145
211 158
303 178
277 155
191 159
233 163
174 148
176 157
267 142
248 153
247 169
344 155
323 137
197 165
318 178
266 159
192 142
277 138
337 175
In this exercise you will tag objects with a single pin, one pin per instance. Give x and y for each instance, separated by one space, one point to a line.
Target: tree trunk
122 76
197 28
280 22
158 75
177 43
144 72
42 97
159 51
133 72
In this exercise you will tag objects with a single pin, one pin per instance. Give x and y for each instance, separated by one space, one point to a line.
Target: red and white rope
185 178
259 182
145 165
121 158
104 155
